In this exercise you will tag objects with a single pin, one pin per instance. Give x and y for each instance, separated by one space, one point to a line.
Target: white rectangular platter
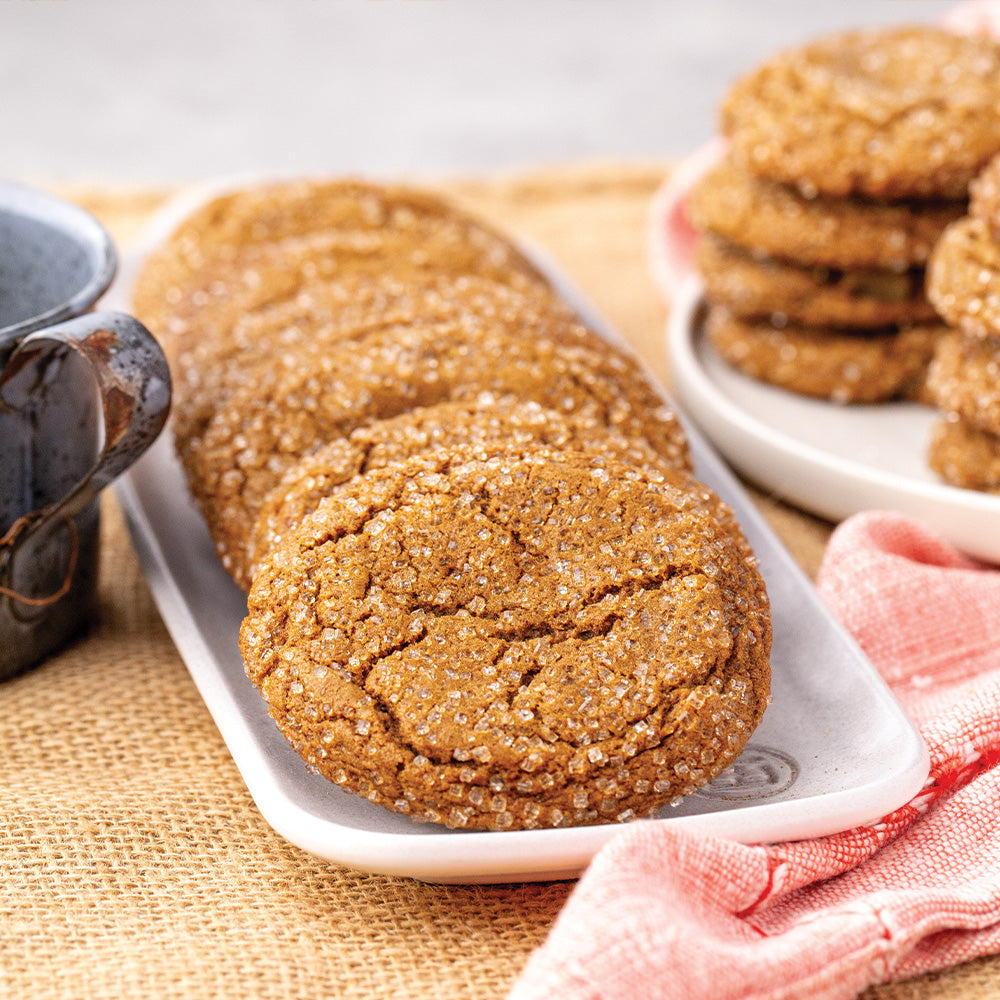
834 749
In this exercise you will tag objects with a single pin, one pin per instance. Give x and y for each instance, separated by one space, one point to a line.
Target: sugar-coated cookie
486 422
227 246
984 196
964 378
757 287
963 277
964 455
328 390
529 640
484 587
776 221
842 366
884 113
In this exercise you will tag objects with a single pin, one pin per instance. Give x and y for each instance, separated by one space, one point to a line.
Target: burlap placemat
133 863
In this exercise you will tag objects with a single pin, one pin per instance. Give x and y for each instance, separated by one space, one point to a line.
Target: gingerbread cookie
343 307
884 113
964 455
776 221
984 196
268 275
963 278
528 640
964 378
486 422
842 366
237 242
324 391
756 287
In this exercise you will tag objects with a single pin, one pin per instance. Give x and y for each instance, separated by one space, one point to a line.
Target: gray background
168 90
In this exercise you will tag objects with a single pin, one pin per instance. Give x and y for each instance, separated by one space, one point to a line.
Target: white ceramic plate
826 458
834 748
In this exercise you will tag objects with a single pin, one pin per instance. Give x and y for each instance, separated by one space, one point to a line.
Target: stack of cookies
485 588
964 379
847 159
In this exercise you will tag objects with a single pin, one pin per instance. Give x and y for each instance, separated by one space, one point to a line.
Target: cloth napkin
662 913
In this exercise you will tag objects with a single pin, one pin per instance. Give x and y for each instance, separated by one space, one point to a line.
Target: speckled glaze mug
82 395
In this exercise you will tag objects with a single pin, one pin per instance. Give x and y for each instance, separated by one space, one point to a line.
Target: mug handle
133 380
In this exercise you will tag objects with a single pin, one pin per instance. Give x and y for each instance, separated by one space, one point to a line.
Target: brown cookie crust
964 455
532 640
341 308
842 366
984 196
886 113
325 391
269 275
964 378
490 422
761 287
963 278
775 220
241 241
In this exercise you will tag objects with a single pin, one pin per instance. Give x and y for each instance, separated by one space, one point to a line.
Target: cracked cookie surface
844 366
884 113
294 405
249 246
534 639
499 423
984 196
775 220
351 306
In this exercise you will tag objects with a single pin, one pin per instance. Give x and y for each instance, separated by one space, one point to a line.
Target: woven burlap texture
133 863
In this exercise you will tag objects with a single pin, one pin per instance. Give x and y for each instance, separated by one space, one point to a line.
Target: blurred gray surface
143 91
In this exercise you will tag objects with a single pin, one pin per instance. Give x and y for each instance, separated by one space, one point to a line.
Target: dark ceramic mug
82 395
